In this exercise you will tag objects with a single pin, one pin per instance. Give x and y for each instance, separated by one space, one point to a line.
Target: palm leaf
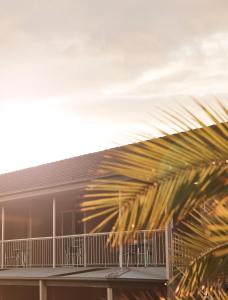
158 166
171 177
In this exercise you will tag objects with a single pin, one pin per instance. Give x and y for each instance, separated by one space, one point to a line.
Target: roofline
70 185
47 190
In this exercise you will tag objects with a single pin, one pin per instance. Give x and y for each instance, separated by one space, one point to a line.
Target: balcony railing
142 248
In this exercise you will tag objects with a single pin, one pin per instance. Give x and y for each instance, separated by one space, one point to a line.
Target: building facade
47 252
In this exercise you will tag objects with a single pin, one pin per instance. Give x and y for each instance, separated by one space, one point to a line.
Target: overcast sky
79 76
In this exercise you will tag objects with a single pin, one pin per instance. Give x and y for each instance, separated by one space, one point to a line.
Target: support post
109 294
170 295
54 232
145 249
121 234
167 258
3 237
84 242
30 223
30 236
42 290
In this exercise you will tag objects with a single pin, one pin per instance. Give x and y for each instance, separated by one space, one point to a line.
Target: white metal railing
28 252
145 248
182 254
142 248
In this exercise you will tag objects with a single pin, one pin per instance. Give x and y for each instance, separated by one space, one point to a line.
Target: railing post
84 249
3 237
121 235
170 295
167 251
121 250
54 232
30 236
145 249
84 243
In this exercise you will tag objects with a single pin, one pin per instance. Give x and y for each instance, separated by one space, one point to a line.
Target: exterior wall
79 293
32 217
142 294
16 216
19 293
38 211
18 213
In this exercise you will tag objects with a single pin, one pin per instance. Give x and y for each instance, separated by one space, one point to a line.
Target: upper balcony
41 223
48 232
142 249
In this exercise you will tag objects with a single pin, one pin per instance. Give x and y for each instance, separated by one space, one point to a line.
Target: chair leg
137 256
73 259
127 258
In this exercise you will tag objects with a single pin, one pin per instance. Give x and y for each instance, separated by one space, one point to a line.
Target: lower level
83 284
81 293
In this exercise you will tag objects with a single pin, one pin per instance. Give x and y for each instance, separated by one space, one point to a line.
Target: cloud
59 48
106 65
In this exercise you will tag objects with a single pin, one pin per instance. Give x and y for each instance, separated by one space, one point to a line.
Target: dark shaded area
136 294
19 293
71 293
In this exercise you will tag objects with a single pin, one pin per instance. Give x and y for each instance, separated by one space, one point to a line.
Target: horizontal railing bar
84 234
108 233
29 239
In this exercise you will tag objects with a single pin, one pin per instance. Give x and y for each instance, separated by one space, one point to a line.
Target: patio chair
73 252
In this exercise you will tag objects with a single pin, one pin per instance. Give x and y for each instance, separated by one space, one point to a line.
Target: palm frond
153 175
174 177
201 251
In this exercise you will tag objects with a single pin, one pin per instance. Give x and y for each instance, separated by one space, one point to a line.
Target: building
48 253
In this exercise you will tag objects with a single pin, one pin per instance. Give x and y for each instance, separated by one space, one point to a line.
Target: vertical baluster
3 237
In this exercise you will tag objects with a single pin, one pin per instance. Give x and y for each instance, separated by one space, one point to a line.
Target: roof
73 170
77 169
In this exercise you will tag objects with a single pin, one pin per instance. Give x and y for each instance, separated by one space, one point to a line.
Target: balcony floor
85 274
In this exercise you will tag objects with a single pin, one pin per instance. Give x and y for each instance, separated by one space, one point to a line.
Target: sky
80 76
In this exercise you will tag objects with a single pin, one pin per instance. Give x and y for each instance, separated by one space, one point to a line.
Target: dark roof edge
17 193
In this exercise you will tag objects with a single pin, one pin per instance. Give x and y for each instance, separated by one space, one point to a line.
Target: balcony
141 249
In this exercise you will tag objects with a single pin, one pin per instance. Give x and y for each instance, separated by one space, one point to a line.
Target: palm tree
179 178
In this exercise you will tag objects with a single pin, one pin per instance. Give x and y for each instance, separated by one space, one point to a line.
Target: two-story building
47 252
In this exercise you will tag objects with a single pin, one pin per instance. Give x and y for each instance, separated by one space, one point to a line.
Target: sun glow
40 132
33 134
